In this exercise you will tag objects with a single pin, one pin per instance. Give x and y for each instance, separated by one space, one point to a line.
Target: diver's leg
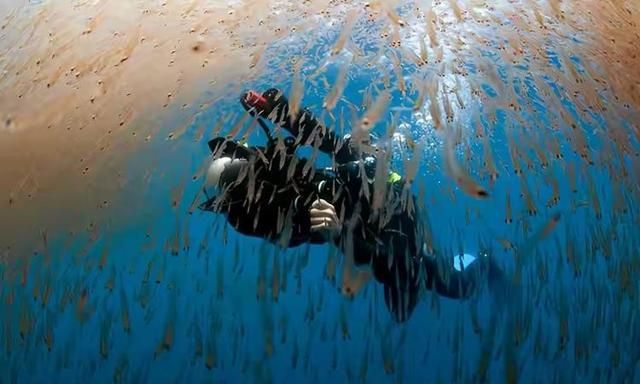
449 282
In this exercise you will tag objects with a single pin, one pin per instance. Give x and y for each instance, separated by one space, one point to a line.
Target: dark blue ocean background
174 295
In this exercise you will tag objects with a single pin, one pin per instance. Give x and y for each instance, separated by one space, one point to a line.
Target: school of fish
519 130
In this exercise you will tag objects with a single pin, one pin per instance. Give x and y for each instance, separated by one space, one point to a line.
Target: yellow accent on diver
394 177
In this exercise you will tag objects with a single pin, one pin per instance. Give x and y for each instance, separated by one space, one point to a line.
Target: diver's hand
324 217
262 104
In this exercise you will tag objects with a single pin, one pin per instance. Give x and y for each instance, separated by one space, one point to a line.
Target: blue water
192 277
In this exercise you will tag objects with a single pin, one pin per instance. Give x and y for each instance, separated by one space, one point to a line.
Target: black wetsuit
271 197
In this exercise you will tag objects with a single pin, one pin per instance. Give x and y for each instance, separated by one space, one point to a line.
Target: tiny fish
446 104
344 323
540 153
330 269
430 19
256 56
393 16
334 95
458 173
124 311
371 116
508 217
397 65
424 54
167 339
489 162
296 93
513 154
593 195
105 330
456 9
346 32
555 197
528 198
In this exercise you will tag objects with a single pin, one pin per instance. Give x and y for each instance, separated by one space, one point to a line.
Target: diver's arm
271 214
304 126
264 224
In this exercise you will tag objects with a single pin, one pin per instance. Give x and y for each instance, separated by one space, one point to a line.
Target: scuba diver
269 192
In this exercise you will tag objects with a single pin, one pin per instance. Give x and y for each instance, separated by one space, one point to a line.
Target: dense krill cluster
515 121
